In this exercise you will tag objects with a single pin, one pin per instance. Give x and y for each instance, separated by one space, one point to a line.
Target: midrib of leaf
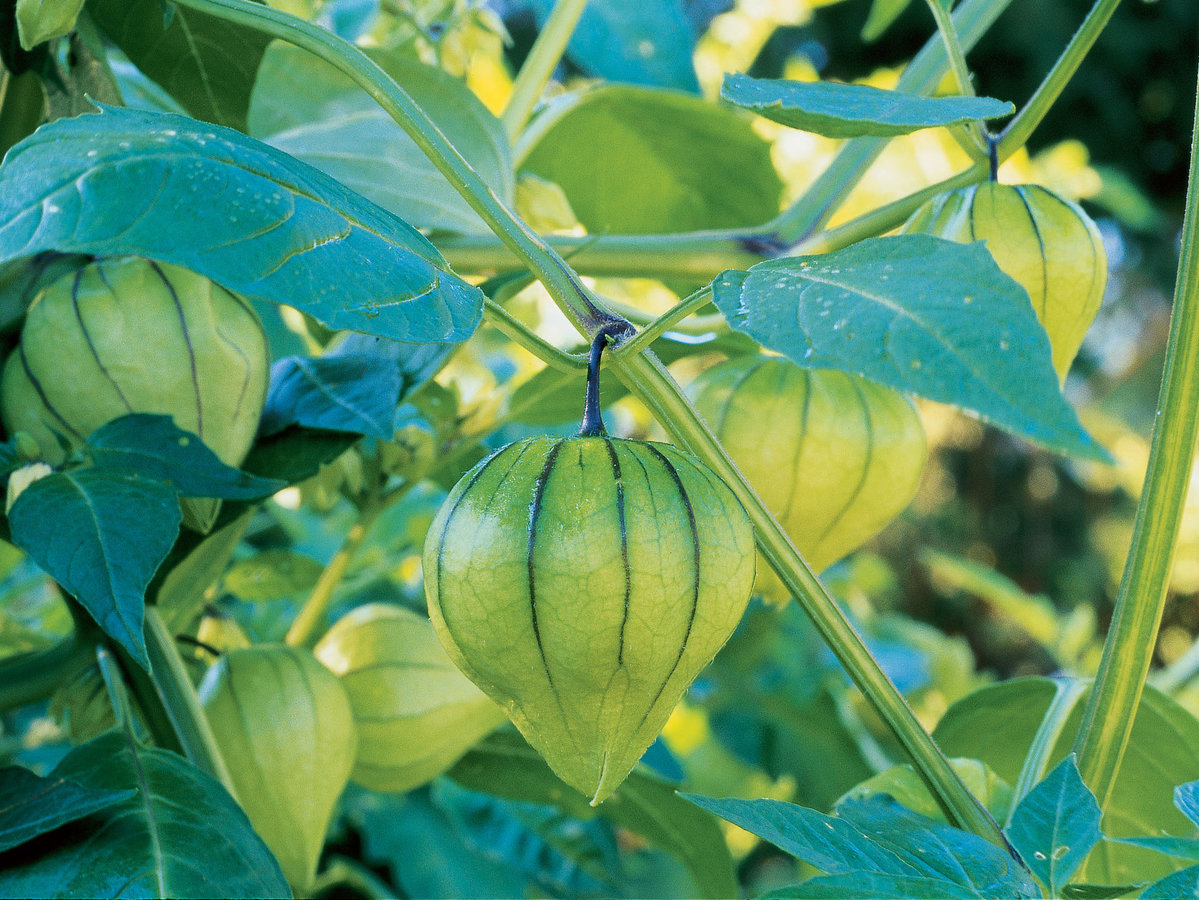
108 572
151 818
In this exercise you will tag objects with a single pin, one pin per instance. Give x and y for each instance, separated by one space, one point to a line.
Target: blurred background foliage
1005 564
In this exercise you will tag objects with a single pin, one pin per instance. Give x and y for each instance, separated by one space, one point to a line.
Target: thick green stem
520 333
1017 132
977 143
653 385
655 329
179 699
540 63
1128 650
559 279
697 255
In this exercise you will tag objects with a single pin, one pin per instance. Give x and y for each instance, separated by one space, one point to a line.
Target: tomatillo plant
309 580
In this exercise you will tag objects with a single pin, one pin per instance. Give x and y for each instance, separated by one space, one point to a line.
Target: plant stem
961 72
1127 652
515 329
648 379
559 279
1017 132
655 329
1036 760
699 255
29 677
312 616
178 697
539 65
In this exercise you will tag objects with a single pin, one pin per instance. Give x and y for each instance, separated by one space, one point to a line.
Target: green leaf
904 785
31 805
633 160
247 216
356 394
997 724
838 110
633 42
880 837
883 14
154 447
918 314
873 886
1179 886
296 453
1056 825
504 765
41 20
272 574
194 564
205 62
314 112
101 535
177 833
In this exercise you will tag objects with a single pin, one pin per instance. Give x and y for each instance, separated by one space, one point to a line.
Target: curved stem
1018 131
515 329
1036 760
539 65
961 72
1128 650
559 279
648 379
655 329
178 697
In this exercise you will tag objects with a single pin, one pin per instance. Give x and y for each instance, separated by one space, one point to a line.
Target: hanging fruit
583 583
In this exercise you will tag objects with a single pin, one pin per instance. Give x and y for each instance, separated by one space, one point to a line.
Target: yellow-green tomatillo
583 583
835 457
416 713
286 731
130 335
1042 241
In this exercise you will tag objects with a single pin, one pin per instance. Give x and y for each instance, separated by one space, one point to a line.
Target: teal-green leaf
997 724
918 314
873 886
309 109
102 536
206 63
353 393
155 447
41 20
1056 825
31 805
504 765
176 833
634 160
838 110
1182 885
878 836
246 215
1186 798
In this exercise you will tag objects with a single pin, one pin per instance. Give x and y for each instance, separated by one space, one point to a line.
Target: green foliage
31 805
853 110
171 832
636 161
907 312
258 222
